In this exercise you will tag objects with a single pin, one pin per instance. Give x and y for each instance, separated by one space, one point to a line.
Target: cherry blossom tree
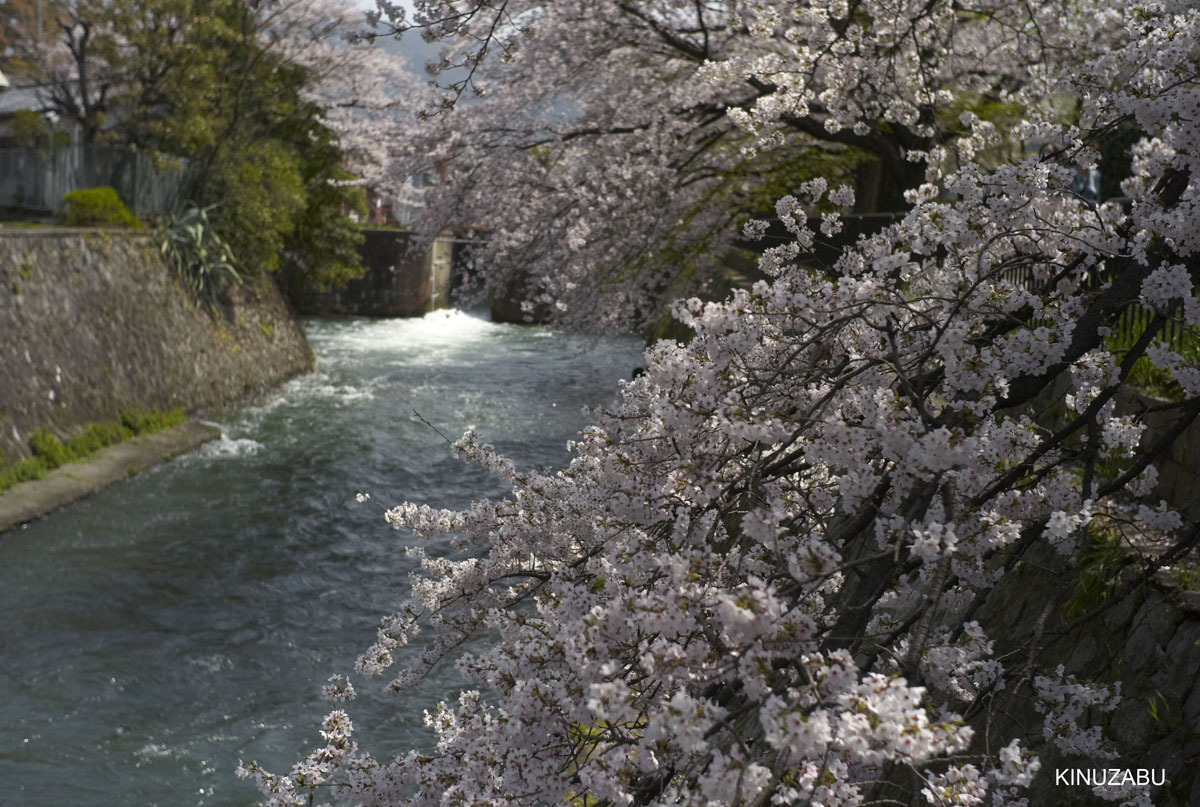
138 72
361 88
639 135
765 576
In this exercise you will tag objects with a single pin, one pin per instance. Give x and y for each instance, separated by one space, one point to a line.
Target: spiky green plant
194 248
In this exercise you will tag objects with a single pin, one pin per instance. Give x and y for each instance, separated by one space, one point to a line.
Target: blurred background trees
259 104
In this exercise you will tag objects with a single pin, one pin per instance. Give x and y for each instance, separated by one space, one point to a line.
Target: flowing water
155 634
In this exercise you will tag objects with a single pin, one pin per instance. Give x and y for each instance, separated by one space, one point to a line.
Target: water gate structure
401 280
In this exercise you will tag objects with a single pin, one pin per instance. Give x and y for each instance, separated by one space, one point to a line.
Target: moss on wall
49 452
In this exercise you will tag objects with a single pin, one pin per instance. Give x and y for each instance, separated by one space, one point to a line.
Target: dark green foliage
259 194
271 166
1150 379
97 436
89 206
323 248
28 128
1098 573
24 471
49 452
196 79
140 422
355 199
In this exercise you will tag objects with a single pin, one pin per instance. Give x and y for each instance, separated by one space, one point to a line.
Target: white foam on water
225 448
155 751
341 392
315 385
424 339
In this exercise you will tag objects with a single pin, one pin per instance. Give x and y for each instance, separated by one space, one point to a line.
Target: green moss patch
49 452
25 225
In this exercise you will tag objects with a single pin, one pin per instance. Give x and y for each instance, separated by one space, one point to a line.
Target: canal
185 619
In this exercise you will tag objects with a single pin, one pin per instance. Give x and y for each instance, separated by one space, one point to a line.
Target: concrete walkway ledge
31 500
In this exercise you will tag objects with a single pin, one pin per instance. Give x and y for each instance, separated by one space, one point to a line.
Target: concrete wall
1148 639
396 284
1179 470
93 322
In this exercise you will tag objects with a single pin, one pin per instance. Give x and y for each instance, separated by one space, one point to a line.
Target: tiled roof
15 99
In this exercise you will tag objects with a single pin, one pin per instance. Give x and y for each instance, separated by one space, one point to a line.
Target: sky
415 50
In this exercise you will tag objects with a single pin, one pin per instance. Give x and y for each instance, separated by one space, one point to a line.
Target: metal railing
37 179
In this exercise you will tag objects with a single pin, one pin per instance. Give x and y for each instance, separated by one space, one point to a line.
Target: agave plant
198 253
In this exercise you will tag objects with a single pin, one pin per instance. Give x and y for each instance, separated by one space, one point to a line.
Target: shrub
97 436
46 447
98 206
24 471
140 422
261 194
28 128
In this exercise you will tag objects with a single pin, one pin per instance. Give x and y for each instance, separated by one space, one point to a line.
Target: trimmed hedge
98 206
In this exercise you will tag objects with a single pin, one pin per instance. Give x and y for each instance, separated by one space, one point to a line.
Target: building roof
14 99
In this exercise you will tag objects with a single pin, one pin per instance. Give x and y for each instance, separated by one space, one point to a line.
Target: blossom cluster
638 156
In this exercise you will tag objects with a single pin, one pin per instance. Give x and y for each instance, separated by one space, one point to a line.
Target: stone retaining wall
1148 640
93 322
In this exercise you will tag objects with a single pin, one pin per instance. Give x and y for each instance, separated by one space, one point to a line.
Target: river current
185 619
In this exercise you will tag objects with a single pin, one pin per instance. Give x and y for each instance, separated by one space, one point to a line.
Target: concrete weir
398 283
